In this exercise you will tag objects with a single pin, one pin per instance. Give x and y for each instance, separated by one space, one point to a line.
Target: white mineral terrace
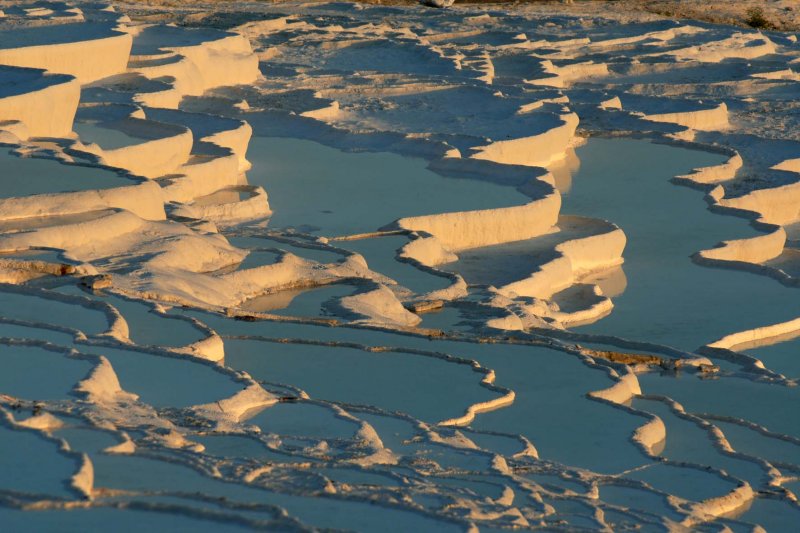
299 266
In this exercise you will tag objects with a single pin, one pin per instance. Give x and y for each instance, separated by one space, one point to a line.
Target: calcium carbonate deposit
341 266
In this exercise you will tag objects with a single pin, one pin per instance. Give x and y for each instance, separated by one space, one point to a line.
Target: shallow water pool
346 193
669 299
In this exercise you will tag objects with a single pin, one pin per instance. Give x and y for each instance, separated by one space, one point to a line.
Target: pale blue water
380 254
772 406
688 442
99 518
36 175
669 299
38 374
749 441
165 381
303 420
145 326
783 357
108 138
137 473
30 463
30 308
305 302
318 189
395 381
545 382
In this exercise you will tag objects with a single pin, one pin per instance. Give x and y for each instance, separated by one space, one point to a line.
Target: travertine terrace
333 265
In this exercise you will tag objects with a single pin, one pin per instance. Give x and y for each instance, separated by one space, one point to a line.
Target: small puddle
107 138
305 302
24 176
